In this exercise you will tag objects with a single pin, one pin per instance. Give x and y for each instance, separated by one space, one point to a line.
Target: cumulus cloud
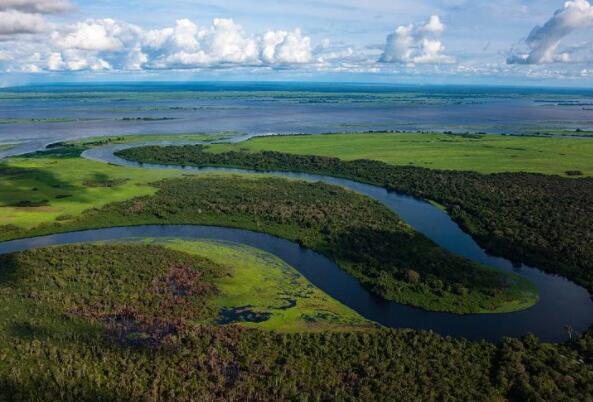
285 47
26 16
15 22
224 42
37 6
107 44
542 44
416 44
95 35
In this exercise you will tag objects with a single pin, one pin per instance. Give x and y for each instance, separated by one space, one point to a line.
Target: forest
362 236
123 322
542 220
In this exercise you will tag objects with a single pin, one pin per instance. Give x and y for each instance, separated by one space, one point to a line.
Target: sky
514 42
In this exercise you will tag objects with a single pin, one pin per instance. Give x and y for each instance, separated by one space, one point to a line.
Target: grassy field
42 189
484 154
262 284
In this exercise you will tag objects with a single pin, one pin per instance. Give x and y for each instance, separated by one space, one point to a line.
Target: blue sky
546 42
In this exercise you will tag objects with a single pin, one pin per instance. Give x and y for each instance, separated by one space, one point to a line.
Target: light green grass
52 178
486 154
267 284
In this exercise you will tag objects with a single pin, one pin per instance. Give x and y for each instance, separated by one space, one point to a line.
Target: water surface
38 115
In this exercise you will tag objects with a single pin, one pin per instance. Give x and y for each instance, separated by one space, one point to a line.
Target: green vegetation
271 293
361 235
125 322
130 139
569 133
62 185
542 220
480 153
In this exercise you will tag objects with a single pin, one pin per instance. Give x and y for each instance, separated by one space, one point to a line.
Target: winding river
562 303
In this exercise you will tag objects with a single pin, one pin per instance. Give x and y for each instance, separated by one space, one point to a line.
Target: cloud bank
37 6
417 44
107 44
543 41
13 22
34 38
19 17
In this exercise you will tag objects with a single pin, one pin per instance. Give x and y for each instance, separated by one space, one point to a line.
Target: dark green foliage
30 204
58 150
574 173
531 371
103 180
363 236
90 323
542 220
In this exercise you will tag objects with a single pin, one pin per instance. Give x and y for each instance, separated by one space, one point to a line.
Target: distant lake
37 115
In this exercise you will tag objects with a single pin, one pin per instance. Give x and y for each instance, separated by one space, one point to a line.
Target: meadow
41 189
474 152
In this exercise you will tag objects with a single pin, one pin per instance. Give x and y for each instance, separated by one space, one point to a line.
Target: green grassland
261 283
41 189
480 153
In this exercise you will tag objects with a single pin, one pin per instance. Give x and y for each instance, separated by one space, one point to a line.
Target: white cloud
224 42
416 44
5 56
95 35
103 44
108 44
285 47
37 6
15 22
543 41
19 17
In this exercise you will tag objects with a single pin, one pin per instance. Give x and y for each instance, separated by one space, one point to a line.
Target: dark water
561 302
33 116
